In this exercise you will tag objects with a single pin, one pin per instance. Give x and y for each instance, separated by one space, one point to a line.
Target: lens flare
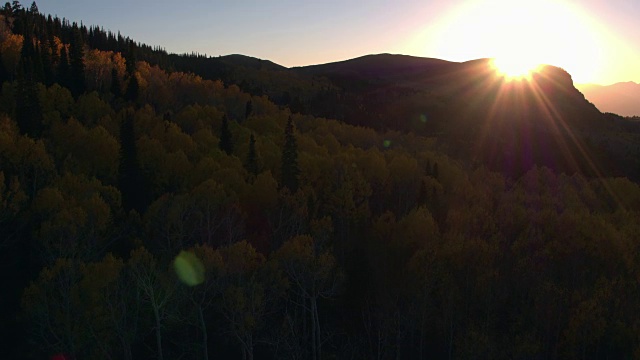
189 268
514 68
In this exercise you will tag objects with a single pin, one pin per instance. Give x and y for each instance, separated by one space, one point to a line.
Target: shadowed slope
479 115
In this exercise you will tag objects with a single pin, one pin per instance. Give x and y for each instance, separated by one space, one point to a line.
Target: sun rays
515 68
521 35
522 116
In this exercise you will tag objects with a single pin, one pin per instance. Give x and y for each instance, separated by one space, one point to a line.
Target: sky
596 41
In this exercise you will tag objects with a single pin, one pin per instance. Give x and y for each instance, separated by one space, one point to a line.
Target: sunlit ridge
529 94
514 68
516 33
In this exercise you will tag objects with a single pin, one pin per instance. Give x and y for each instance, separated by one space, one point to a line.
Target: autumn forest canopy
163 206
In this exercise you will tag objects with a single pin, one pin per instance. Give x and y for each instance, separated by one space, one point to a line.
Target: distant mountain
477 114
620 98
379 81
383 67
474 113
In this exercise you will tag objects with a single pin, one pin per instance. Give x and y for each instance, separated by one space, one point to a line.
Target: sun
520 35
514 68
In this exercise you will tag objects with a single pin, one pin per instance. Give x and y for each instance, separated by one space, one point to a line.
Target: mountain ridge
622 98
478 114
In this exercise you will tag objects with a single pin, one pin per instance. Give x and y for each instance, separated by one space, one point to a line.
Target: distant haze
621 98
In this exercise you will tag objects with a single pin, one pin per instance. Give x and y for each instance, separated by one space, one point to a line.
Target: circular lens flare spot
189 268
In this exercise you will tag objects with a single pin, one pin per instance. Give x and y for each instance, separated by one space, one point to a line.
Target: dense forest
148 212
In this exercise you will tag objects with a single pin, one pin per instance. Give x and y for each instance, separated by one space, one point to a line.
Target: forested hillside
148 213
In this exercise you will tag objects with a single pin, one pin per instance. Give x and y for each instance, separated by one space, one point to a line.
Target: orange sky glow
530 33
596 41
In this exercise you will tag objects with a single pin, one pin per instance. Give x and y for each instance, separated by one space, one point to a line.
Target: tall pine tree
130 57
290 170
63 69
28 109
248 109
76 61
132 89
130 179
47 64
116 88
226 142
252 157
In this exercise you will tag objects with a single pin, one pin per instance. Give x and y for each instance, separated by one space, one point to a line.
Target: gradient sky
597 41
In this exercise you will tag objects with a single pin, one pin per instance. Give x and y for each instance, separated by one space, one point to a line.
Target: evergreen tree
130 57
63 69
423 195
47 63
27 53
51 40
226 142
248 109
16 6
252 157
116 89
38 66
76 62
130 179
132 89
290 170
18 20
28 109
4 73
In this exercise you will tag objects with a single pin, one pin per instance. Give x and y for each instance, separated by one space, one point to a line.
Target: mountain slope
620 98
188 210
475 113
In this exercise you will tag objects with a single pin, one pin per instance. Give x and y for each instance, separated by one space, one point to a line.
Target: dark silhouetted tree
290 170
130 57
423 195
47 64
130 178
116 88
76 62
252 157
248 109
4 73
28 109
133 89
63 69
226 143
